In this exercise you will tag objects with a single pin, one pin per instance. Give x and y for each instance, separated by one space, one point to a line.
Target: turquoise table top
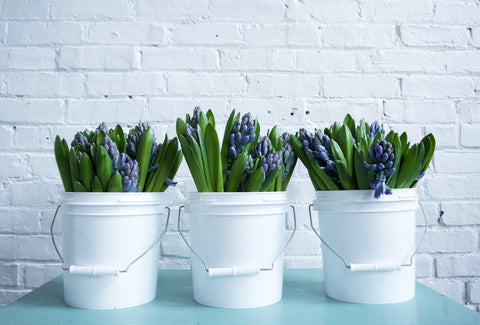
304 302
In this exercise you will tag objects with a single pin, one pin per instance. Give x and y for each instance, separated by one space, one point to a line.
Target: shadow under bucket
237 243
368 245
110 248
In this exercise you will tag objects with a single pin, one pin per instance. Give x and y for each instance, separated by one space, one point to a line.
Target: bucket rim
237 198
341 194
113 198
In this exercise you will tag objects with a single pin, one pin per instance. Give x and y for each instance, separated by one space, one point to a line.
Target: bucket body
110 230
241 231
368 231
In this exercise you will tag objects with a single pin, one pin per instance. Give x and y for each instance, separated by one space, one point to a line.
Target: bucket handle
371 267
236 270
101 270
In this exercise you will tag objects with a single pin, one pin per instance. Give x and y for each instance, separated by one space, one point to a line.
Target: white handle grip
374 267
93 270
233 271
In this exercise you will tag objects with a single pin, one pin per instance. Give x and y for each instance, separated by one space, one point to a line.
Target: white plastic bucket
368 245
110 248
237 243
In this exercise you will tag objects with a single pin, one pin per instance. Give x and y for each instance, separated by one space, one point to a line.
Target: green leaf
104 167
194 165
78 187
345 141
408 164
226 139
115 183
212 152
96 185
98 138
255 181
202 121
417 167
173 171
397 146
86 172
270 180
144 151
180 127
342 168
236 173
274 137
73 165
349 122
360 171
429 143
201 152
317 170
211 117
120 139
63 164
164 169
405 145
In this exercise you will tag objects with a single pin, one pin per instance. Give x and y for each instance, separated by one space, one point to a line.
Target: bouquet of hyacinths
245 162
349 156
107 160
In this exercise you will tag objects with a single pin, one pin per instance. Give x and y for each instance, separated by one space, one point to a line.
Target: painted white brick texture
413 65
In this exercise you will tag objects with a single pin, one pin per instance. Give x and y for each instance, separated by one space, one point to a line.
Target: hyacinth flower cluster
350 156
108 160
243 162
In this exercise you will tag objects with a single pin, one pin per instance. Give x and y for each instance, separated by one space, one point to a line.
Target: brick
412 111
19 221
3 32
332 60
30 110
456 266
402 11
457 162
286 112
99 58
431 211
8 247
33 138
408 61
35 248
244 59
165 10
160 109
6 137
33 194
464 62
282 85
461 213
174 263
89 9
360 86
205 84
24 10
127 33
303 262
358 36
110 111
304 243
30 59
42 84
437 87
329 111
423 266
469 135
449 241
413 131
212 34
7 296
247 10
452 289
432 36
446 136
173 245
18 165
282 59
322 11
453 187
43 166
37 275
457 12
469 111
179 59
266 35
51 33
8 274
304 35
145 83
476 36
473 292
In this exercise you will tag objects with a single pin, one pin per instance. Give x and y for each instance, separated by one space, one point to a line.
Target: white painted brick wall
412 64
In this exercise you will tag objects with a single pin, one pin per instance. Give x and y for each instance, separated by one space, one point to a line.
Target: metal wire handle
100 270
240 270
371 267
